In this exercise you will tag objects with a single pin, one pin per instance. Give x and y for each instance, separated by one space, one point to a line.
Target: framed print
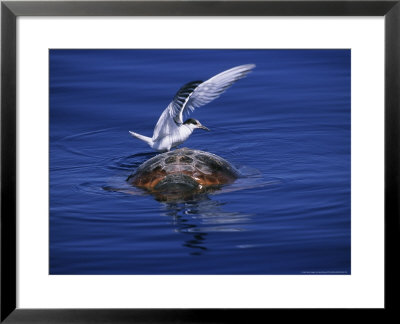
124 200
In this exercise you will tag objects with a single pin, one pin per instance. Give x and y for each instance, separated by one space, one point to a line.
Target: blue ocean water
286 127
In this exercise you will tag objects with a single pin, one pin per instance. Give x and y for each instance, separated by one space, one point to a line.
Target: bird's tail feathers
146 139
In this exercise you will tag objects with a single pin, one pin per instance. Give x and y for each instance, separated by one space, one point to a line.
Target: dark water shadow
196 219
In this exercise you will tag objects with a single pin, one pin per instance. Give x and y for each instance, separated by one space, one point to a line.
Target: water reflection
198 218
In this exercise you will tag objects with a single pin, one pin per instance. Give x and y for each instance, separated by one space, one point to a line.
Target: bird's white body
176 137
170 130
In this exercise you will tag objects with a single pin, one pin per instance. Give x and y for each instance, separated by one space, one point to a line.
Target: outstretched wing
166 123
195 94
207 91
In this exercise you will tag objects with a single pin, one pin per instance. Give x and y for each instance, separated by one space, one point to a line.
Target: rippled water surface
286 127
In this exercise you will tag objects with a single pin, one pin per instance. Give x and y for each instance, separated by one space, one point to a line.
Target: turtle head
194 123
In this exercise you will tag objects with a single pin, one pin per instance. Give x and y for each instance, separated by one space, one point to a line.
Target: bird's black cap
191 121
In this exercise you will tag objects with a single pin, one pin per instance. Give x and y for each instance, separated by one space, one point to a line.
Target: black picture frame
10 10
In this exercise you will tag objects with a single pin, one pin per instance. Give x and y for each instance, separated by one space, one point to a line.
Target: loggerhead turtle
183 171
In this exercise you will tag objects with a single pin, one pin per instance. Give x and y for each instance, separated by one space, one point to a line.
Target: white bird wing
195 94
165 125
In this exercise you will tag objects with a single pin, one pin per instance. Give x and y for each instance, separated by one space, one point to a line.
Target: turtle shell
190 169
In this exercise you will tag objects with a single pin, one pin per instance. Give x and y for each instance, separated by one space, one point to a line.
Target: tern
171 130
